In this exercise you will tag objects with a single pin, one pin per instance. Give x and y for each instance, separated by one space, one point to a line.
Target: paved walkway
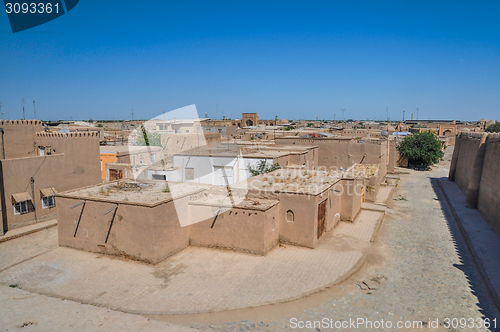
384 194
483 242
24 248
24 311
194 280
18 232
364 227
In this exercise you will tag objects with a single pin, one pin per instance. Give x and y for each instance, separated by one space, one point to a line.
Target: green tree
493 128
262 168
421 148
147 138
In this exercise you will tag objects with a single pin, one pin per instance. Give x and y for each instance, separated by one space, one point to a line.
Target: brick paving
23 248
364 227
384 194
195 280
482 239
24 311
18 232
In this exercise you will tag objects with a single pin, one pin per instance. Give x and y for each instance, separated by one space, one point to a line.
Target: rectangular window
48 202
153 158
21 207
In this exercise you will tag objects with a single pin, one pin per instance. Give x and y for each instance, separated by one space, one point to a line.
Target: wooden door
321 218
115 174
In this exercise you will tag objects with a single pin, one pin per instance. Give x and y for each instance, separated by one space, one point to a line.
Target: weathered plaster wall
489 195
469 144
19 137
245 230
337 152
351 198
475 168
139 232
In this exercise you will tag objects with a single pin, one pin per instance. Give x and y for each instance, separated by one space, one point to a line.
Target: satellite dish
384 133
64 131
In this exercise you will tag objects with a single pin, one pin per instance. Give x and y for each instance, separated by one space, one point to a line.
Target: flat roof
144 193
248 151
128 148
291 180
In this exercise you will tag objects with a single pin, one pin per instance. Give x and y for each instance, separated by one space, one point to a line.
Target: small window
290 216
41 151
187 130
21 207
48 150
153 158
48 202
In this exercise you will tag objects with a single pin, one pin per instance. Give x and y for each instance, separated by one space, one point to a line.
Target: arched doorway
249 123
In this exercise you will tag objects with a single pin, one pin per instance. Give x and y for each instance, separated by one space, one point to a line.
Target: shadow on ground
468 266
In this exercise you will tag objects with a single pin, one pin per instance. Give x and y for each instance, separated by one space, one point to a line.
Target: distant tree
493 128
262 168
289 128
147 138
309 124
421 148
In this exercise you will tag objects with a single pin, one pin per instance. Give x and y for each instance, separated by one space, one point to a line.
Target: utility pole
34 109
417 113
403 115
334 116
132 114
387 114
32 180
24 117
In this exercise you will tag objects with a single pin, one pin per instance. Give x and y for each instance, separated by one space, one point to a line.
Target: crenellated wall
72 161
19 137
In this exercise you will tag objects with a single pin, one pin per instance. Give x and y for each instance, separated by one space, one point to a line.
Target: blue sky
279 58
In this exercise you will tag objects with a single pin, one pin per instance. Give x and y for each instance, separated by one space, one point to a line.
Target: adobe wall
351 198
469 144
139 232
303 230
393 157
489 197
19 137
243 230
475 168
16 175
82 162
336 153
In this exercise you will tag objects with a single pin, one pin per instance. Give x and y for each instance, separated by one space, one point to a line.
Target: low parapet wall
475 167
